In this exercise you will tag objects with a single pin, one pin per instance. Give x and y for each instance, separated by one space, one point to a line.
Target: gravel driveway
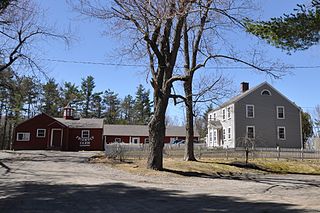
51 181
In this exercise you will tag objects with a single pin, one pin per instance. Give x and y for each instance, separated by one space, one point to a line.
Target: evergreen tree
127 109
71 95
307 127
297 31
31 89
142 106
87 87
112 104
97 105
51 98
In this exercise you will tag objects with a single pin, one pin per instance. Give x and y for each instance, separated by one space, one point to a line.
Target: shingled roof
142 130
90 123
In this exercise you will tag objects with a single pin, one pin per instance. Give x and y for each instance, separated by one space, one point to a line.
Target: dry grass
216 167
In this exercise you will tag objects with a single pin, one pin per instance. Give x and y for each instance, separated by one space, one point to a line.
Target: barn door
56 138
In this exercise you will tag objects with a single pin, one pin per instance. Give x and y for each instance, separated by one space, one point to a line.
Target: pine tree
51 98
97 105
87 87
127 109
71 95
112 105
142 106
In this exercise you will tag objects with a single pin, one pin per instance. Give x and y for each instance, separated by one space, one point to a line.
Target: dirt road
50 181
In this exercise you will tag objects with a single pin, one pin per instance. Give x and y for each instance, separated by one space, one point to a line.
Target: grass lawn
216 167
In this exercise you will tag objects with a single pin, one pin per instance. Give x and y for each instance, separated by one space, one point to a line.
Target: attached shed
137 134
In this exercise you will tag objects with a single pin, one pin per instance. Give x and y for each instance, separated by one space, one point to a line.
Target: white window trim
44 134
224 134
224 114
229 112
214 116
133 138
266 90
248 105
284 112
24 133
284 131
82 133
254 131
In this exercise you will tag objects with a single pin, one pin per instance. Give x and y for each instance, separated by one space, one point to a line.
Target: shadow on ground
42 197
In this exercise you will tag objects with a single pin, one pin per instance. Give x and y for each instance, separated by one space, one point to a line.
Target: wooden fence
133 151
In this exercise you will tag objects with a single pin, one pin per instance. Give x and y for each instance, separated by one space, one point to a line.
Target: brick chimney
244 86
68 112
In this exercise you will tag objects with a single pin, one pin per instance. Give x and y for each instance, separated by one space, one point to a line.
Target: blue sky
91 45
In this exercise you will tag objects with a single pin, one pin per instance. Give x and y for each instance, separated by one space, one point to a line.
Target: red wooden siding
41 121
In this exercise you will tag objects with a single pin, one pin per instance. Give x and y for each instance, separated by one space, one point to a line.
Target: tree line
24 97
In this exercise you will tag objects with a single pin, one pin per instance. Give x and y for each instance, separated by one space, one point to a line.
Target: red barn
137 134
69 134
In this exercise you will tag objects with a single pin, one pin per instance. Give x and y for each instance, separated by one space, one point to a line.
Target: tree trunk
157 133
189 152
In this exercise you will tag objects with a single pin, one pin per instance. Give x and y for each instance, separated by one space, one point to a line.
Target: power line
143 65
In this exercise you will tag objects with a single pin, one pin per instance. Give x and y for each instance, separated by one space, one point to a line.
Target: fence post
278 150
227 153
247 155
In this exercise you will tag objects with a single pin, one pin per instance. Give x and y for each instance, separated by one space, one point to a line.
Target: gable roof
244 94
142 130
90 123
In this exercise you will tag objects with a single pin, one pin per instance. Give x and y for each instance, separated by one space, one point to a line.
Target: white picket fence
140 151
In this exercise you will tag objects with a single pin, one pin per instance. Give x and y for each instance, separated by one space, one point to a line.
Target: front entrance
56 138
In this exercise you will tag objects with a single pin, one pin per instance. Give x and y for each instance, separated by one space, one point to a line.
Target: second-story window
85 134
224 114
214 116
209 117
229 112
250 111
280 112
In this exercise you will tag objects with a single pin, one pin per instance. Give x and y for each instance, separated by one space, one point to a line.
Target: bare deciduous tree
158 28
21 26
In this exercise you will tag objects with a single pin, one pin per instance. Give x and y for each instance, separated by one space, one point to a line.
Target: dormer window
265 92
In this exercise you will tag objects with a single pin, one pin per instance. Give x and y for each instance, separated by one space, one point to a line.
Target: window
85 134
229 112
117 140
210 136
280 112
250 132
146 140
23 136
224 114
214 116
224 134
281 133
229 132
215 135
250 111
266 92
41 133
209 117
